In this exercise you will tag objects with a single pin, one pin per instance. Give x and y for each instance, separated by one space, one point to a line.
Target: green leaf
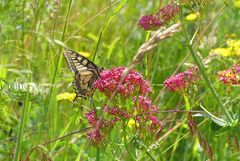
222 130
215 127
215 119
60 43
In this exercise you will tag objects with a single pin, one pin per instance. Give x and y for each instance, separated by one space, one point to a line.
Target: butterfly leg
75 98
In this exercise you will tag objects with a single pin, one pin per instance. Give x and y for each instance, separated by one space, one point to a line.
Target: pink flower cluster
230 76
110 80
97 134
92 118
146 112
181 81
143 106
162 17
132 89
168 12
156 125
143 113
150 22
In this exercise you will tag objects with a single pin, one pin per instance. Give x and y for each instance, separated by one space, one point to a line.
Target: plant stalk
204 74
21 128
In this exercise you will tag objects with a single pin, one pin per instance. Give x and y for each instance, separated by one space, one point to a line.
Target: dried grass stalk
152 43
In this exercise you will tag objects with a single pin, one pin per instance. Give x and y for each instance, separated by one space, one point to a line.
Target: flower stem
204 74
187 104
156 63
125 141
27 105
98 154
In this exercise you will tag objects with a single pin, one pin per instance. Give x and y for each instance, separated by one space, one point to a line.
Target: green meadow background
33 72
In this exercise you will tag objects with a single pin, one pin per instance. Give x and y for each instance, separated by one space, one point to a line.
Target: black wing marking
78 63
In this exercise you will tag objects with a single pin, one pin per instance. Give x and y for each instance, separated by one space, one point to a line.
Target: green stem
21 129
204 74
60 51
23 23
150 156
175 144
187 104
125 141
98 154
156 64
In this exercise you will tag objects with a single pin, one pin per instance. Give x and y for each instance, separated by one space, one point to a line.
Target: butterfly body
86 73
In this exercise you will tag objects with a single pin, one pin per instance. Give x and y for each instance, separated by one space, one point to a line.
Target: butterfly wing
86 73
83 84
78 63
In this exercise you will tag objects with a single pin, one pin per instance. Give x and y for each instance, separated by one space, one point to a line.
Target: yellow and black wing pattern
86 73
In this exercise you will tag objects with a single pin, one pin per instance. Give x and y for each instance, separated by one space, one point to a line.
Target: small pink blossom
112 123
154 109
180 82
143 103
110 80
147 112
168 12
115 111
150 22
92 118
236 68
156 124
95 136
154 120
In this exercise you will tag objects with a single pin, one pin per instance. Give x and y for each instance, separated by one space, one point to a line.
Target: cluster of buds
182 81
230 76
159 19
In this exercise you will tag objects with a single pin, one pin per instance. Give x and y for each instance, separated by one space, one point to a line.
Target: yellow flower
232 49
236 3
233 43
222 51
66 96
237 51
192 17
132 123
229 74
85 54
231 35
